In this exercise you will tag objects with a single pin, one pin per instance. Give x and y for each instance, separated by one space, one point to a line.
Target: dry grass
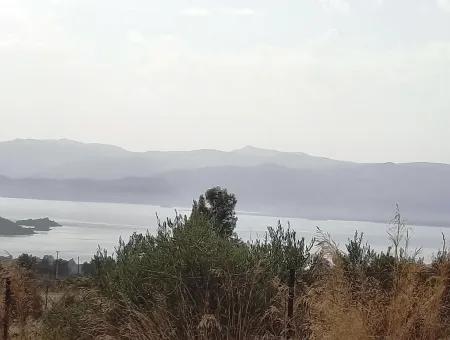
332 307
25 305
412 309
84 314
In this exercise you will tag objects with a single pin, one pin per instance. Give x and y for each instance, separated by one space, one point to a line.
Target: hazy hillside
266 181
269 182
70 159
366 192
29 158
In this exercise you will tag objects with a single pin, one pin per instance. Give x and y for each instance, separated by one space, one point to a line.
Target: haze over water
87 225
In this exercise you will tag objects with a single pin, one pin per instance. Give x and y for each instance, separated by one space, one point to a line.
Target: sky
361 80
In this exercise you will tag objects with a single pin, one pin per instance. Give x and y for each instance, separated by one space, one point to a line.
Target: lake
87 225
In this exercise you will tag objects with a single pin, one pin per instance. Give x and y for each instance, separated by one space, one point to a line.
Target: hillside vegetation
195 279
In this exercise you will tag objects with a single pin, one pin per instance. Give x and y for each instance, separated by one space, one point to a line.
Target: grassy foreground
195 279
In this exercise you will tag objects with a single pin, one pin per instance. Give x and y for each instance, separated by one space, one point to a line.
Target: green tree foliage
88 268
192 266
361 263
284 251
217 205
27 261
188 269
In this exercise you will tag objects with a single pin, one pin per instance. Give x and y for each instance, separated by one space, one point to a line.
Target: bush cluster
195 279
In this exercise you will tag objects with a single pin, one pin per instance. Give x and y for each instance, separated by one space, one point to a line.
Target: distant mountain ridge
69 159
265 181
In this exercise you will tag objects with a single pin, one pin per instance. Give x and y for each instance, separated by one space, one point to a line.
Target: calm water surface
88 225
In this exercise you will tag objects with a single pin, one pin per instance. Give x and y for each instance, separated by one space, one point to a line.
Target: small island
39 224
9 228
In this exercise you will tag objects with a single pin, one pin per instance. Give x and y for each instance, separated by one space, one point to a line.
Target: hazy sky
365 80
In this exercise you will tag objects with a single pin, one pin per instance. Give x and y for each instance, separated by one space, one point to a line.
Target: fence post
291 284
56 265
46 296
7 305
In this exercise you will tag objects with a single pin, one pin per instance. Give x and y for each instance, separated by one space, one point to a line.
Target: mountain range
264 181
70 159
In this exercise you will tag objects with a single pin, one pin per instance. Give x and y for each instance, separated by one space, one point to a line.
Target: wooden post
291 284
56 265
78 266
46 296
7 305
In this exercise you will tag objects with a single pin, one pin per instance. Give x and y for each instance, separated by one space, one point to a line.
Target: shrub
194 279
